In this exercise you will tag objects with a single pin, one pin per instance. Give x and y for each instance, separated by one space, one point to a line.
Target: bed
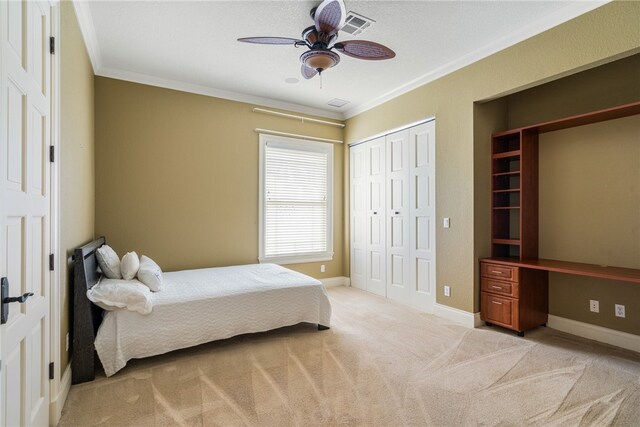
194 307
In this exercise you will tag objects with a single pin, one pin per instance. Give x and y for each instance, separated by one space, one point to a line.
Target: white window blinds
296 200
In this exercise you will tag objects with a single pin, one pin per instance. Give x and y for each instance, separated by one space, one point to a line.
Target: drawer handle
496 302
496 287
496 272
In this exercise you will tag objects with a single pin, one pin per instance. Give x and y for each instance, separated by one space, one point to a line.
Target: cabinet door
358 212
397 217
422 214
375 233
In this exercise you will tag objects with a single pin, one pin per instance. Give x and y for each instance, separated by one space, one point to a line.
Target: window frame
285 142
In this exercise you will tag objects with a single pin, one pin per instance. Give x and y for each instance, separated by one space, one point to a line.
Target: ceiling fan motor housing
318 40
320 60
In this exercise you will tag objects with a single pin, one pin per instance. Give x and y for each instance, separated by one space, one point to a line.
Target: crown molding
85 22
571 11
131 76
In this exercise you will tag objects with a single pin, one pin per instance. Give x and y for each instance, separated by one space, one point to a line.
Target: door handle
21 299
6 299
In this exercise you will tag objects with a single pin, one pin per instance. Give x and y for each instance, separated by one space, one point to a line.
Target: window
296 200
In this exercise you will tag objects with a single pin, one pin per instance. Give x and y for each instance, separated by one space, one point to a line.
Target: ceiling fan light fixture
320 60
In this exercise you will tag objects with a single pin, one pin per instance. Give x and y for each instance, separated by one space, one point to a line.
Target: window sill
299 259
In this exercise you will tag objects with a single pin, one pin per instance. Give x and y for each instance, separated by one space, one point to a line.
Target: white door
359 179
376 239
397 217
24 209
422 214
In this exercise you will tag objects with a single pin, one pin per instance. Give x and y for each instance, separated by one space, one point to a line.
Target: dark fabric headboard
86 315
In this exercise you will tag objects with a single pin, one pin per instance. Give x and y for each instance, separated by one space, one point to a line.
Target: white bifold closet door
393 216
376 274
398 256
358 190
368 239
422 216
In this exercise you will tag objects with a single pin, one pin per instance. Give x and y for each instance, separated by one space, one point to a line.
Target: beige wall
590 212
606 33
76 154
177 176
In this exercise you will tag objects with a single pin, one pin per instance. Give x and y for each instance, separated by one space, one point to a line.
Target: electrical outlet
67 342
446 223
447 291
594 306
619 310
322 268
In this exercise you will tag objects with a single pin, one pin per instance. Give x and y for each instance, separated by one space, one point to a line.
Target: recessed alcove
589 185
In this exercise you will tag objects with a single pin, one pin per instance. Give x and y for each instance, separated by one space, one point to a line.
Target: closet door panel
358 209
398 247
422 216
376 227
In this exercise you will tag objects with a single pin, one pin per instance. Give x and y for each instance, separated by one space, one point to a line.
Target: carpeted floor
380 364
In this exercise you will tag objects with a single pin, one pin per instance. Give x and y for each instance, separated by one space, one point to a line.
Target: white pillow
109 262
129 265
150 274
112 294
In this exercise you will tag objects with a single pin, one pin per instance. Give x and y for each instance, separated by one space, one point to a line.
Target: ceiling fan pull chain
320 74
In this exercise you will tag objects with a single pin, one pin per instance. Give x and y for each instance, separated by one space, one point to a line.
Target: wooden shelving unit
508 172
514 282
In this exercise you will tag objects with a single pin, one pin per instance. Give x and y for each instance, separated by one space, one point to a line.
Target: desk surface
576 268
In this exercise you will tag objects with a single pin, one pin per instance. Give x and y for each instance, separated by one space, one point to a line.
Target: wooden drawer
499 310
497 271
509 289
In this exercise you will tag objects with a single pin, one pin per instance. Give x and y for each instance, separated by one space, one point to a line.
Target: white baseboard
58 403
596 333
470 320
336 281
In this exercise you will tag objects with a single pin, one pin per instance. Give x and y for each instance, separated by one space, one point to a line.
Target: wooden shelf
618 112
505 207
575 268
507 133
505 154
508 190
515 242
507 173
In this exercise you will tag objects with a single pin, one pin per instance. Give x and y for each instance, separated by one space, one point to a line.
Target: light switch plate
446 223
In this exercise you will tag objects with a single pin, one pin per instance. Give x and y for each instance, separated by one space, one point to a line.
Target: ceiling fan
321 38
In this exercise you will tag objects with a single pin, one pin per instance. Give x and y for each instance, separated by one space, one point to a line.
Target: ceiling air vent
356 24
337 102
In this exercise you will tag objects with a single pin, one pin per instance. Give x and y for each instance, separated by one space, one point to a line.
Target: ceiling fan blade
270 40
307 72
364 49
329 16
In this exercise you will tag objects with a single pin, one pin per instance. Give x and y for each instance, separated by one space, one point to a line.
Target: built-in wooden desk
514 293
575 268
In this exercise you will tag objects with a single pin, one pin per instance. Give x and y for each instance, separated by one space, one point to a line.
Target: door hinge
52 45
52 153
51 371
51 262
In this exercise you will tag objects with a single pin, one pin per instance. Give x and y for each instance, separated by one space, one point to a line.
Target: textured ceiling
192 45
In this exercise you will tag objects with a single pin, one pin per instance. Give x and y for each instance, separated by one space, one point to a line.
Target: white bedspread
198 306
